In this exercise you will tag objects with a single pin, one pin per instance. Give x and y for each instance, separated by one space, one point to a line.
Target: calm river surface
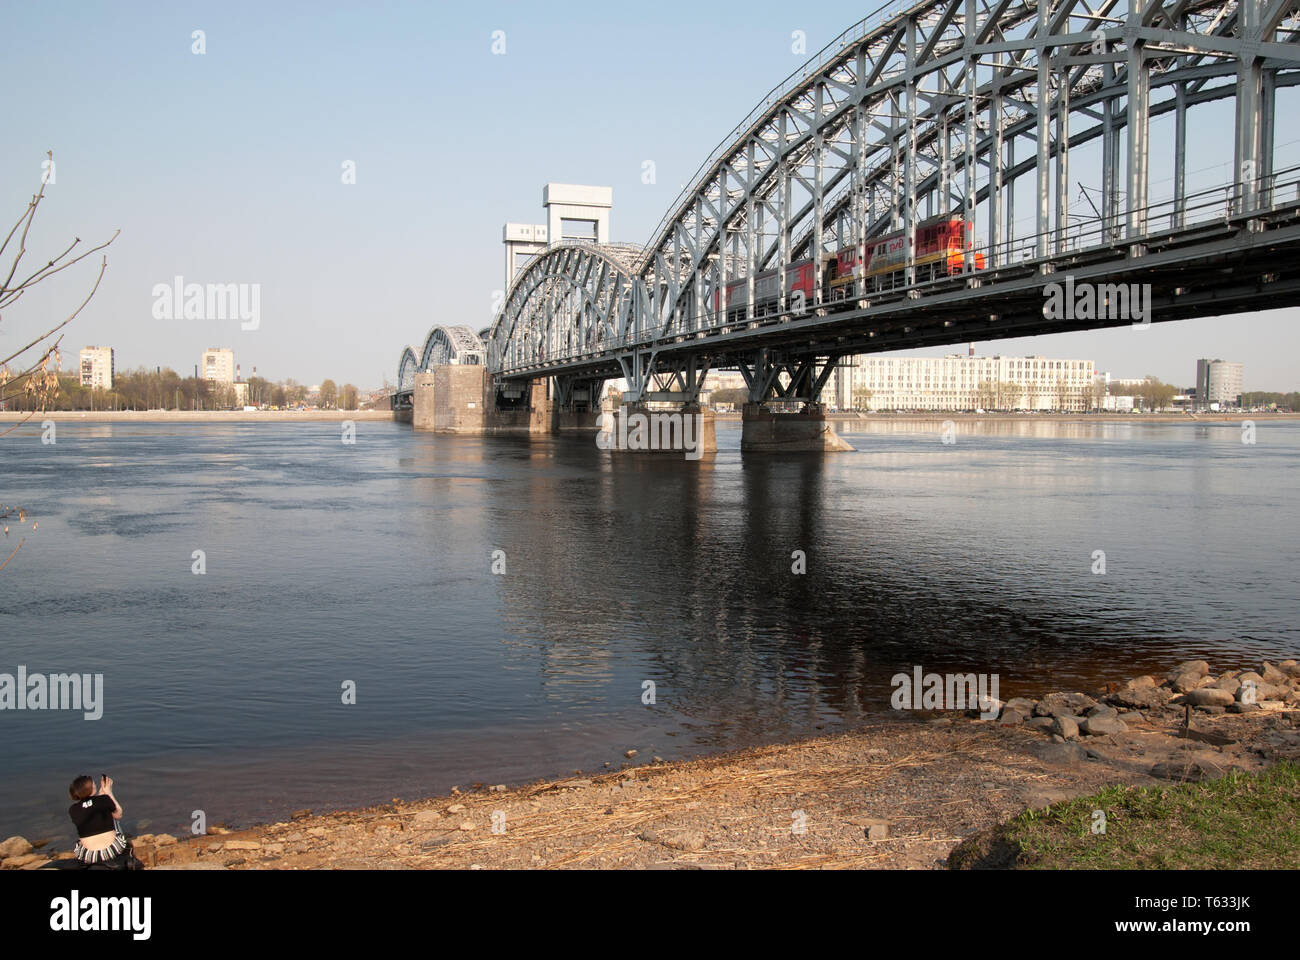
372 563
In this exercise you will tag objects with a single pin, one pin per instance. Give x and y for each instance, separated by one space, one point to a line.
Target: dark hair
82 787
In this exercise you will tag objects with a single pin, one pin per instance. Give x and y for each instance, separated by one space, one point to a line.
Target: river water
331 565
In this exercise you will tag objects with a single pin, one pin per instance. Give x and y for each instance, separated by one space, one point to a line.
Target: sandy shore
198 416
900 792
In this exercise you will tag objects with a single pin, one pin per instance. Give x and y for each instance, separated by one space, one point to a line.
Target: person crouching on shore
97 816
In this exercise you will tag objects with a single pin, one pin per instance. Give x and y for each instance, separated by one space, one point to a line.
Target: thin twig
102 267
11 556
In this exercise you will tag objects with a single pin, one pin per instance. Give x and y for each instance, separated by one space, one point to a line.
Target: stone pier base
575 421
639 429
462 399
763 431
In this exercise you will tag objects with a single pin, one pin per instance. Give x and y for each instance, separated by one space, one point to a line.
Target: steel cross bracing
942 109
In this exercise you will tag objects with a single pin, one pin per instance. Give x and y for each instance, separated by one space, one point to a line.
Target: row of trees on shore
165 389
1265 398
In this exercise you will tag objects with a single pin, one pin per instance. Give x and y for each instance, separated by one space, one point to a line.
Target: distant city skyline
1187 382
315 158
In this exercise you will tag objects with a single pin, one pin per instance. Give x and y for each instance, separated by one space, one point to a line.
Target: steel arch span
1053 133
448 344
406 370
444 344
573 298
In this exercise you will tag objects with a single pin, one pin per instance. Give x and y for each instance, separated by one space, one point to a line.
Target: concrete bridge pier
574 421
575 404
763 430
454 398
683 430
516 407
785 413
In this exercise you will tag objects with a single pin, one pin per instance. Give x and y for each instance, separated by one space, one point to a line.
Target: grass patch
1240 821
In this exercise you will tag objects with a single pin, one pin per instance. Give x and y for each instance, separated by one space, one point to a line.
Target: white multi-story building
972 383
218 365
97 367
1218 381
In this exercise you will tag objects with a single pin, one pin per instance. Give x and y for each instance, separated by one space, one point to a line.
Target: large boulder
1066 727
1064 705
1141 693
1186 682
1273 691
1065 753
1208 696
1011 718
1272 674
23 861
1197 668
1263 691
1022 705
147 845
14 847
1102 725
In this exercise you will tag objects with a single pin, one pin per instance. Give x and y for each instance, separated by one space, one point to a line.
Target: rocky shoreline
899 792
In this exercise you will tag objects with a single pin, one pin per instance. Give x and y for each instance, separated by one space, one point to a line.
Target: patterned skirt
113 850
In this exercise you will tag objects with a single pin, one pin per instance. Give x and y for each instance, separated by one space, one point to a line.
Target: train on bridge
940 251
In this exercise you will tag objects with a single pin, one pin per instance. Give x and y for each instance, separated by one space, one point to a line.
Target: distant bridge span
944 109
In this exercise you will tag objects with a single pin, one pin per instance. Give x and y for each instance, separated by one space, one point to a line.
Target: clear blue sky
225 168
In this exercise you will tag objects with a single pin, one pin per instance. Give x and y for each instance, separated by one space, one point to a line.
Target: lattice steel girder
1057 56
571 299
933 111
568 386
450 344
781 375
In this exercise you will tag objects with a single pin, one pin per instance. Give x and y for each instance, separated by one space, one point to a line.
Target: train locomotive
941 246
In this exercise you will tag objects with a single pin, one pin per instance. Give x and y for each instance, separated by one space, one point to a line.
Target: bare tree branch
102 267
22 241
45 272
11 556
37 381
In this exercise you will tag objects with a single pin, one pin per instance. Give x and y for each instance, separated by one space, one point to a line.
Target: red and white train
941 247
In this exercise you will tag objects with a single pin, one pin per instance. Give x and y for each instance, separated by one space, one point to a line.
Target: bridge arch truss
1052 126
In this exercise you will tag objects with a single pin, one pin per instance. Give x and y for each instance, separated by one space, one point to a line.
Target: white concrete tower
576 212
523 242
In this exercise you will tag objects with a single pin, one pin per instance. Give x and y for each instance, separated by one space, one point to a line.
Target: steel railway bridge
1080 112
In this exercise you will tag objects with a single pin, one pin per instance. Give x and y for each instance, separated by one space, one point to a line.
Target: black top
93 816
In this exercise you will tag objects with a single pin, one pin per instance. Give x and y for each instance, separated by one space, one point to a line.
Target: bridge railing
1220 203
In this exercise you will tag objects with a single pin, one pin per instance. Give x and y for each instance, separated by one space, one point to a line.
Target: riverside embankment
897 793
195 416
